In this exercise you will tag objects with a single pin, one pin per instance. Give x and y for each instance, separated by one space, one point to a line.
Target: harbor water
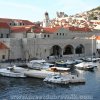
36 89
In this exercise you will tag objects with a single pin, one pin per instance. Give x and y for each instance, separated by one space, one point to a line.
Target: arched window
55 50
68 50
80 49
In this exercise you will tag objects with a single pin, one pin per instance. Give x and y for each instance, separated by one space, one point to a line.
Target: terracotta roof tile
5 20
3 46
8 20
50 30
18 29
4 25
25 28
97 37
84 29
26 22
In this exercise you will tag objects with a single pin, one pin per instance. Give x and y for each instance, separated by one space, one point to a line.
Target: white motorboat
64 79
43 73
39 64
86 65
9 72
76 79
93 59
39 73
17 69
56 78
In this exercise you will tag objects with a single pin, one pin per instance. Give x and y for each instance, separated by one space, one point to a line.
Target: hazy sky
34 9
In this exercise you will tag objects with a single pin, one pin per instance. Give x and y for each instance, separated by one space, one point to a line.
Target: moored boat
39 64
64 79
9 72
43 73
86 65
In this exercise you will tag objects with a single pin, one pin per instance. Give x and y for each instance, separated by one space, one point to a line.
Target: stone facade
25 43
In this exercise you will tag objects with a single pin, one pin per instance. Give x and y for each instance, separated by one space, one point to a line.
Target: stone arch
68 50
55 50
80 49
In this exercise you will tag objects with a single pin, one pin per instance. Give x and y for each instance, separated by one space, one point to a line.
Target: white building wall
18 35
41 47
16 48
4 32
98 44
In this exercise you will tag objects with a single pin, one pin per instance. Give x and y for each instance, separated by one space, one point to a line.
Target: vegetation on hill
94 14
98 8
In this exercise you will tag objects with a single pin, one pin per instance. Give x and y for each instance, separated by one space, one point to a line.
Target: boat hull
8 73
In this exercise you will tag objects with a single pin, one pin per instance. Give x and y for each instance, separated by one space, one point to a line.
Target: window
60 33
7 35
45 50
14 24
57 33
63 34
44 35
48 35
3 56
1 35
20 24
10 23
35 36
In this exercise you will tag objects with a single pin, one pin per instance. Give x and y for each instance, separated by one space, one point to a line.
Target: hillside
94 14
98 8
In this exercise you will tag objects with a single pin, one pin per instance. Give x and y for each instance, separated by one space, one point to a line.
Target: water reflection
36 87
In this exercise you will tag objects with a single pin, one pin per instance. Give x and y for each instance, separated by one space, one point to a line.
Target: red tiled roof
8 20
4 25
18 29
26 22
25 28
97 37
3 46
37 31
85 29
50 30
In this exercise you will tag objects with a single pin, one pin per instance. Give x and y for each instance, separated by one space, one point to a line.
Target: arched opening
80 49
68 50
55 50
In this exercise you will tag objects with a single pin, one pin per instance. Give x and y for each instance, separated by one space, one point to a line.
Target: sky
34 10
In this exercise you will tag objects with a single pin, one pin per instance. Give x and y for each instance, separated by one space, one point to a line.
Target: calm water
36 89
